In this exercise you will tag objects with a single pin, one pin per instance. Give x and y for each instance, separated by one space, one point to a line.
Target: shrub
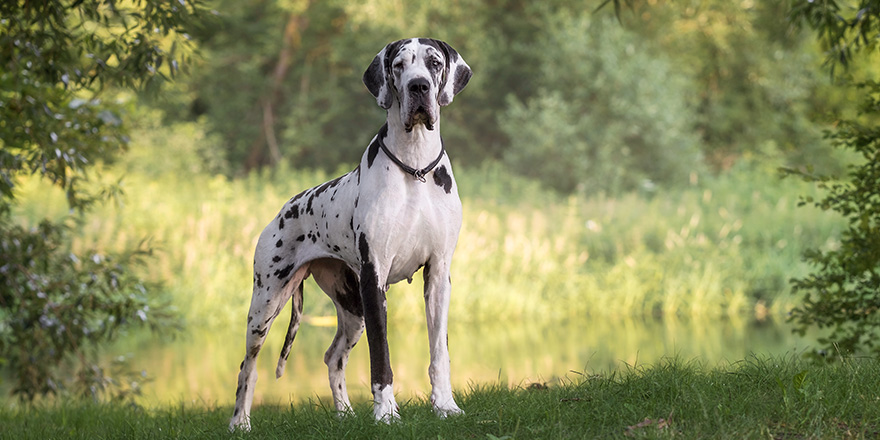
56 58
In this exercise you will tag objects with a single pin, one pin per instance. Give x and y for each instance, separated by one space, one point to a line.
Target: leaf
659 424
798 380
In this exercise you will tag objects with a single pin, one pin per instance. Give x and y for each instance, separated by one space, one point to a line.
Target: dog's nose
419 86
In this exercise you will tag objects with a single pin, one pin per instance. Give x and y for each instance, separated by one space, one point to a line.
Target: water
200 367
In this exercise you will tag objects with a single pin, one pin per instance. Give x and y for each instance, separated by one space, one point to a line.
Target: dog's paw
386 413
384 406
446 412
444 404
240 424
445 407
344 413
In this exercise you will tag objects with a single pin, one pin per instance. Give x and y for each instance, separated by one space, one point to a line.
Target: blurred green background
618 174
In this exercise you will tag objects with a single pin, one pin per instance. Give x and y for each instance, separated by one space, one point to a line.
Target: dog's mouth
421 115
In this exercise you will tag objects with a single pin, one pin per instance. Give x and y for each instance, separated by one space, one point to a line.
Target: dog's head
421 74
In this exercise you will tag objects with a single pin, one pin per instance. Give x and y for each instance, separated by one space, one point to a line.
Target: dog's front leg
375 320
438 288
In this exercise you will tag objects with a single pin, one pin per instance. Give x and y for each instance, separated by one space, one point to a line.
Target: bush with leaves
55 304
60 60
842 295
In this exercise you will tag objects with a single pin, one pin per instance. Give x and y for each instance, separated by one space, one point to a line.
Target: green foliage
558 93
607 115
58 305
845 28
277 81
843 291
58 56
671 399
756 89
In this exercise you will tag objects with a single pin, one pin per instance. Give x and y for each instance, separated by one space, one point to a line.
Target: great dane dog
397 212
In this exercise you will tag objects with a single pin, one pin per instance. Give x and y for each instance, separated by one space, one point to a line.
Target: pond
200 367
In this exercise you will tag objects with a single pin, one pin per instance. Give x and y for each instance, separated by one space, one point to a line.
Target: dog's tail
295 315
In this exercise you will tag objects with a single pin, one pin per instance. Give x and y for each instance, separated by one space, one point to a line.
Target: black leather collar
417 173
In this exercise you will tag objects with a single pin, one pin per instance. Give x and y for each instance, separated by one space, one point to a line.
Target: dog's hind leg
267 301
349 329
341 284
295 317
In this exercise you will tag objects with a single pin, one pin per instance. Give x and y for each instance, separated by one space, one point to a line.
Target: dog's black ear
458 73
378 74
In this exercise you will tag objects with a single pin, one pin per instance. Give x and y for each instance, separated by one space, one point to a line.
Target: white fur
384 406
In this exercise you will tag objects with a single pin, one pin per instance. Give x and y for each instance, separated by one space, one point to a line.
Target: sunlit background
618 175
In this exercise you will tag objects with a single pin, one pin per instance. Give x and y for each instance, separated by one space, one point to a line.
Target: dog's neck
416 148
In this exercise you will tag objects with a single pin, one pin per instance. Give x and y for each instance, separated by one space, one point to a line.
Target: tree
755 88
61 61
281 80
607 113
842 294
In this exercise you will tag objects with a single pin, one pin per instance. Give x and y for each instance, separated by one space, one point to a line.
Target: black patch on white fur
284 273
348 294
326 185
375 317
292 212
443 179
374 76
373 150
378 73
391 52
309 205
460 78
436 69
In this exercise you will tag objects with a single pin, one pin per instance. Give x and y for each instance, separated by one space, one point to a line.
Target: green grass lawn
783 398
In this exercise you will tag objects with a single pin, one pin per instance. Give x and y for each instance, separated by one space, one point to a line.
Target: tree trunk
291 42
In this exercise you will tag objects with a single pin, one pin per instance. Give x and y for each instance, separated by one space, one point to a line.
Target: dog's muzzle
420 105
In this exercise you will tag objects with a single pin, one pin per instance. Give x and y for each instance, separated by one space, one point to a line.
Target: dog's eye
436 64
397 65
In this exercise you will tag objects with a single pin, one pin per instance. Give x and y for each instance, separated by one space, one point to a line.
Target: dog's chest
407 222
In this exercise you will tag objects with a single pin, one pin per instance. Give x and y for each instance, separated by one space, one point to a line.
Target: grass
783 398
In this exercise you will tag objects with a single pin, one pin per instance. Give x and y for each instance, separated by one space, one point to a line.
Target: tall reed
722 246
